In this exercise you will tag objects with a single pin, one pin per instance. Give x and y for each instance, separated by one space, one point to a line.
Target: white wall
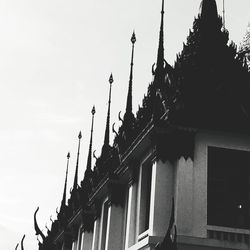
202 142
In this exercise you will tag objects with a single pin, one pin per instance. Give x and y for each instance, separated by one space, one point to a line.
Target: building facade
182 161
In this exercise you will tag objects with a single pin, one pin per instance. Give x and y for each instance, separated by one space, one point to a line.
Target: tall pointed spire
65 184
106 137
129 97
223 12
77 161
160 55
208 10
91 139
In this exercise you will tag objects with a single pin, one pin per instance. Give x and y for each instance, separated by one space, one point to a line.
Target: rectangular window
74 245
131 215
145 194
125 219
228 195
104 225
81 243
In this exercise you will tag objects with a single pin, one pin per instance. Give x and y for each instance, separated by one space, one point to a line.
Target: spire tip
111 80
80 135
133 38
93 110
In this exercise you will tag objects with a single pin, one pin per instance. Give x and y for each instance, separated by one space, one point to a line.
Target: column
131 216
96 234
114 237
87 240
161 197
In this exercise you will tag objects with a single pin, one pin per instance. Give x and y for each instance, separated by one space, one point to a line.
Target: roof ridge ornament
63 203
89 161
208 9
106 136
22 248
77 161
160 54
37 229
223 16
129 96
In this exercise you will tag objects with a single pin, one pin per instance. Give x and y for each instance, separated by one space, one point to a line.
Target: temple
177 174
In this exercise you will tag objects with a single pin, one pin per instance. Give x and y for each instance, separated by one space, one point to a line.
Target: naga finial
94 155
22 248
37 229
113 129
119 117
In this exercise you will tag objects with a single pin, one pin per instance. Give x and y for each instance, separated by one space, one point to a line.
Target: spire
91 139
223 12
129 97
208 9
106 137
77 161
160 55
65 184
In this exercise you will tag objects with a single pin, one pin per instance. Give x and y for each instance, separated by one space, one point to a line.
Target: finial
162 7
80 135
111 79
133 38
208 10
77 161
37 229
93 110
113 129
63 203
223 11
16 246
119 117
129 96
22 248
94 155
160 55
89 162
106 136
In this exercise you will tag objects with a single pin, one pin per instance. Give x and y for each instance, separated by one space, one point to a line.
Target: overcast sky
55 60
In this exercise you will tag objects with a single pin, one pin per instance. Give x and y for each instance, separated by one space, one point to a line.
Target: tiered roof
208 88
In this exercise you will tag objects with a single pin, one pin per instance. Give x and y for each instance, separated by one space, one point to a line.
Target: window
74 245
145 194
104 225
131 215
228 196
86 240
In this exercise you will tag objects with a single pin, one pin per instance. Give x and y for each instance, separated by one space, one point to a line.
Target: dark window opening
228 196
145 197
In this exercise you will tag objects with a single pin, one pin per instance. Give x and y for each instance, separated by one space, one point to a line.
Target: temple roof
212 84
208 9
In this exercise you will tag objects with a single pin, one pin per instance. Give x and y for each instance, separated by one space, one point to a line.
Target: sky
55 60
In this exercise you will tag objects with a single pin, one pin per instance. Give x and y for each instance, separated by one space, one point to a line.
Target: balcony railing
228 234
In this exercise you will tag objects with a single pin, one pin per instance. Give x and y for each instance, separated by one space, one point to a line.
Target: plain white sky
55 60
